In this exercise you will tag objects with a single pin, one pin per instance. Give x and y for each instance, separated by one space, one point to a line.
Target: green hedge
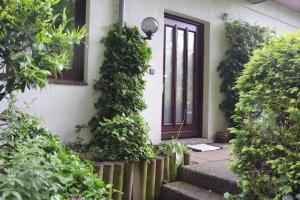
267 144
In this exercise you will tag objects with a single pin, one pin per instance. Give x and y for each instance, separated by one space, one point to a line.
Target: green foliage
34 165
242 38
267 144
122 73
118 127
33 45
173 147
124 138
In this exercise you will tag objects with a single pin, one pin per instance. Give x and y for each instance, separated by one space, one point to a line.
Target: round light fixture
149 26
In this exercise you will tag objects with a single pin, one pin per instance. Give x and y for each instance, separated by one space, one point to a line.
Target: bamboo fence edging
151 174
143 179
173 167
136 187
187 159
108 173
166 168
140 180
128 180
118 177
159 177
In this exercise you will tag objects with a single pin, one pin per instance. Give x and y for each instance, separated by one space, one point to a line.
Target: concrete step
190 141
213 176
184 191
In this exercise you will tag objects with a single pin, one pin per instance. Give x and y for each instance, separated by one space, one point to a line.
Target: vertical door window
168 75
182 77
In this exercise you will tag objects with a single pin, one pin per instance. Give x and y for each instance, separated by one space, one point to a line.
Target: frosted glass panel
168 75
179 77
190 81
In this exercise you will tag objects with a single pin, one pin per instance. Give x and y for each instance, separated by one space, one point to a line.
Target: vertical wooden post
99 169
108 172
173 168
179 169
118 180
166 169
151 171
187 159
143 179
136 189
128 181
159 176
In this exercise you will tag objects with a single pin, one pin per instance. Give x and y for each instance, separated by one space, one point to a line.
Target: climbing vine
242 38
122 73
118 126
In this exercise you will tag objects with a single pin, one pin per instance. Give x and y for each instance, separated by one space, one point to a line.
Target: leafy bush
242 38
267 143
118 127
122 74
33 45
34 164
124 138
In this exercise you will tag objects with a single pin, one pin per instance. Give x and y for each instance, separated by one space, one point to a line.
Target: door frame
188 130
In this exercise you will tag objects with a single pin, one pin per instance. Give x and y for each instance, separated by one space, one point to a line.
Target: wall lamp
149 27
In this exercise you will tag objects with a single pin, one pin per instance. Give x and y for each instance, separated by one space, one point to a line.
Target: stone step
213 176
190 141
184 191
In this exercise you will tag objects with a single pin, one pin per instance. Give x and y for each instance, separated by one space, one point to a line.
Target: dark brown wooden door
183 78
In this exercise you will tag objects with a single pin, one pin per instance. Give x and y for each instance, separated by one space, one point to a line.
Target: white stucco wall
63 107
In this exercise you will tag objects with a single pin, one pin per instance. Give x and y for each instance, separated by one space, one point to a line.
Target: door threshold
190 141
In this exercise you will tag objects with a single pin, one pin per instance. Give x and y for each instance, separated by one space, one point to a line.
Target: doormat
203 147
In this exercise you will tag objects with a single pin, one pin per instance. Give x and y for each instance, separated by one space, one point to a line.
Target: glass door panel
168 75
190 77
183 54
179 75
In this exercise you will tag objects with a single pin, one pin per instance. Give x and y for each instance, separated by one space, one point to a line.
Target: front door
182 79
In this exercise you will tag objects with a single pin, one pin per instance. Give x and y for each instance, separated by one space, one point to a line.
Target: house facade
183 82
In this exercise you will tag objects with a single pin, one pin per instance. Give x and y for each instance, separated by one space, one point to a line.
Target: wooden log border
148 176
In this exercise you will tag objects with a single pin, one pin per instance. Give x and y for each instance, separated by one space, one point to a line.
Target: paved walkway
212 156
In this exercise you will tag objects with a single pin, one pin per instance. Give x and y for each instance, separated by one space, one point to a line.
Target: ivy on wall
122 73
242 38
118 127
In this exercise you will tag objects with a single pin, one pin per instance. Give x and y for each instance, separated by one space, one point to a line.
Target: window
75 9
183 77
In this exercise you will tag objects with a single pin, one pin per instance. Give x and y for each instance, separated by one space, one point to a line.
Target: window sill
67 82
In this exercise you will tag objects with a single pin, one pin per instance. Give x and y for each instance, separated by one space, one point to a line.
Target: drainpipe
121 12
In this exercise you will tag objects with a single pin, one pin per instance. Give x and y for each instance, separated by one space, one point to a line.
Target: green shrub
122 72
118 127
33 45
267 144
242 38
34 165
124 138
